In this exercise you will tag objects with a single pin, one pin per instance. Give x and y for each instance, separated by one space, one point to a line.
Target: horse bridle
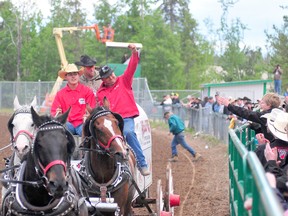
26 133
92 132
41 169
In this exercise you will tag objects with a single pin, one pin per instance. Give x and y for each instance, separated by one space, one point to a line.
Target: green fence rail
247 177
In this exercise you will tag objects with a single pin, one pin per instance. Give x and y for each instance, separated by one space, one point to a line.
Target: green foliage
174 55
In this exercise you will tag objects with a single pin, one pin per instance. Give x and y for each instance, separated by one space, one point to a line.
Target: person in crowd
204 101
285 102
190 101
273 156
208 105
239 102
217 107
124 58
246 99
177 128
196 104
175 98
267 103
272 182
118 91
90 77
74 95
277 79
166 103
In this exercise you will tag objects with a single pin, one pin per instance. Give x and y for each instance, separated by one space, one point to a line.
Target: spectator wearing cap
175 98
90 77
239 102
118 91
74 95
190 101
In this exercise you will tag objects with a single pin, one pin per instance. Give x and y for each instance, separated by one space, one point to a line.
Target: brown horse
109 163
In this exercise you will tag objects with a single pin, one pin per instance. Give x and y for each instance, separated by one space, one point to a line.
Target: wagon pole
58 33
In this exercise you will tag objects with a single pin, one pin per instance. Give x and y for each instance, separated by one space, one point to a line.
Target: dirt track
202 185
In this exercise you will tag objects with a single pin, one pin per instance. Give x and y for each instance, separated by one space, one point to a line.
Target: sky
257 15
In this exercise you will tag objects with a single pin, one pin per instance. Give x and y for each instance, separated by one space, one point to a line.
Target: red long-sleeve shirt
77 99
120 95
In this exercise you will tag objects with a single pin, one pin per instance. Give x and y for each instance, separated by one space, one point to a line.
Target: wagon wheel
168 189
170 199
159 198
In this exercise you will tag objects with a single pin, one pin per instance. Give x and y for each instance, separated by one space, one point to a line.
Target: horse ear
34 102
35 117
63 118
16 103
106 103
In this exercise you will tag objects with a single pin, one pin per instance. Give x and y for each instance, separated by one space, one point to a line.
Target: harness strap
25 133
110 141
103 192
51 164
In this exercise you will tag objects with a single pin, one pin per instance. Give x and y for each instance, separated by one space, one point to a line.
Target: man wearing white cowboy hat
273 156
74 95
90 77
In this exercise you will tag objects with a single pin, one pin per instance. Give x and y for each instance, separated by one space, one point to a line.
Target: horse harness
30 136
122 173
16 203
15 200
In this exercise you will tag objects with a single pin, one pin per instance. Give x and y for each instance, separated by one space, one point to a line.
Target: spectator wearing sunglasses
74 95
118 91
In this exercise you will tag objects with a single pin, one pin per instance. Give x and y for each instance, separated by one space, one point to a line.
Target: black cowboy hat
105 71
246 98
86 61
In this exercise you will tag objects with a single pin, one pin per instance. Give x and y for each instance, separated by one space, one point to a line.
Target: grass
6 111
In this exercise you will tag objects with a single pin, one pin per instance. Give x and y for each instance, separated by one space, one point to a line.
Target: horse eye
32 125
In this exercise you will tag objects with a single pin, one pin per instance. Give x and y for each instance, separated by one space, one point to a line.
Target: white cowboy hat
277 122
70 68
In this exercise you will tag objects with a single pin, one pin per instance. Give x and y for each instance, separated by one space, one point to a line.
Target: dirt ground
203 186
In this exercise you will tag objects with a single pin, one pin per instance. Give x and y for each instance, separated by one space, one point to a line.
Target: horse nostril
26 148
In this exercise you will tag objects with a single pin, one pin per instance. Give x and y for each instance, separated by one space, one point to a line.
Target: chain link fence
199 119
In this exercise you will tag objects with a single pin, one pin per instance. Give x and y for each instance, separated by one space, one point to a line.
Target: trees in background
175 55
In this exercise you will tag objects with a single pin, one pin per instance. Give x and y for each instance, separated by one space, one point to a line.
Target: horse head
52 150
106 128
21 127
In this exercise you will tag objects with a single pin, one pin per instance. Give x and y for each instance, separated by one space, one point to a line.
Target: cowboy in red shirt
74 95
118 91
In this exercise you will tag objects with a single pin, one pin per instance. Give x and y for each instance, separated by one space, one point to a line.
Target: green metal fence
247 177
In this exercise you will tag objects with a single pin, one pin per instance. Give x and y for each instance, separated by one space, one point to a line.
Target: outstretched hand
132 47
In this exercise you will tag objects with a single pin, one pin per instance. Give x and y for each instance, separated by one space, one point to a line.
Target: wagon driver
118 90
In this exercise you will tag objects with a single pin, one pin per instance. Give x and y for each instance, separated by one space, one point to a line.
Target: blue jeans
277 86
180 139
74 130
131 138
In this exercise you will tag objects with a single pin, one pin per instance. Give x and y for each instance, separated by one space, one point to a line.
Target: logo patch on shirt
282 153
81 100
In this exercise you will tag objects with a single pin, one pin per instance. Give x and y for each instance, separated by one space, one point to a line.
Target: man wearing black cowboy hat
118 91
90 76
